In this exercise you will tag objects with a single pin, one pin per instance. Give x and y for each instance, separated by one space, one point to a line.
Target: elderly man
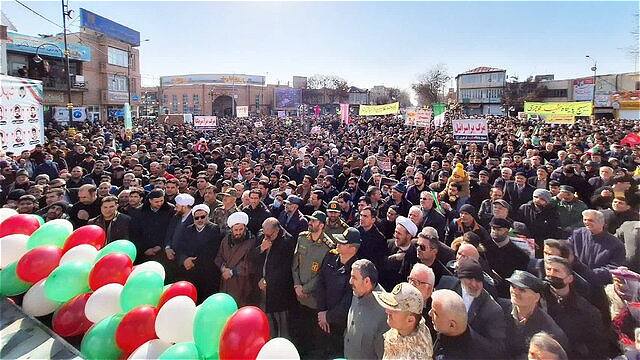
195 249
401 253
114 224
415 215
234 260
274 255
312 246
485 316
291 218
430 215
423 279
366 321
87 206
433 253
467 221
456 340
596 248
503 256
177 225
220 214
540 217
334 292
409 337
526 317
570 209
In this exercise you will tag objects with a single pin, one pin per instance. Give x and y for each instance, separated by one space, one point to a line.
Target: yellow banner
385 109
580 108
560 119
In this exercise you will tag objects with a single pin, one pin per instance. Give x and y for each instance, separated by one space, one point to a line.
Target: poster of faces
21 114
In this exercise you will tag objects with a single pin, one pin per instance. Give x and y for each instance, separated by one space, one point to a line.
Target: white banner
61 114
474 130
205 122
258 124
242 111
21 114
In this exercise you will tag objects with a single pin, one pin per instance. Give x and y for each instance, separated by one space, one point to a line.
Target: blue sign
28 44
109 28
135 97
288 98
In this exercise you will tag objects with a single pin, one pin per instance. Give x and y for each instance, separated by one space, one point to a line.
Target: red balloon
112 268
246 331
178 289
70 320
88 234
19 224
136 328
38 263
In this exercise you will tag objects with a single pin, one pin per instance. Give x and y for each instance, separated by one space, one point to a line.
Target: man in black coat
541 218
273 258
114 224
373 246
401 254
430 214
291 219
257 211
149 226
334 292
485 316
87 206
518 192
177 226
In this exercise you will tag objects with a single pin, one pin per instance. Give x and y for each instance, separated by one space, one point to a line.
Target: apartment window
556 93
196 99
118 83
117 57
257 99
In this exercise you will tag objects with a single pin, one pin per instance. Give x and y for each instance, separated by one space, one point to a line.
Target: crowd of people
373 239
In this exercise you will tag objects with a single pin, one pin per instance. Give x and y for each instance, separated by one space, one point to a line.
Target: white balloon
154 266
83 252
152 349
174 322
278 348
12 247
6 213
104 302
36 303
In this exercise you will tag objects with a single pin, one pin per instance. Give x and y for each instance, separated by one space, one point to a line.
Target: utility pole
65 13
594 68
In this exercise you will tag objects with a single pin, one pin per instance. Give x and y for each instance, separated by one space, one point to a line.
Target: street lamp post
594 68
66 13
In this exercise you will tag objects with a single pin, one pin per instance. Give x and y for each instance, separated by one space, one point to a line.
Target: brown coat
237 257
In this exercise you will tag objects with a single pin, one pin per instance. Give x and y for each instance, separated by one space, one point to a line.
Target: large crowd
373 239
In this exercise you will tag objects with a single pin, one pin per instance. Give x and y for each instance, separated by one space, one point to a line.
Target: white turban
185 200
203 207
407 224
237 218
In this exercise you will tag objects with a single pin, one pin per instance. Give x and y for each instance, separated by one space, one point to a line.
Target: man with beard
149 226
274 255
401 253
397 198
503 256
579 320
540 217
374 244
570 209
329 188
291 218
77 179
234 261
220 214
366 321
621 210
312 246
57 210
195 248
177 226
414 191
315 203
87 206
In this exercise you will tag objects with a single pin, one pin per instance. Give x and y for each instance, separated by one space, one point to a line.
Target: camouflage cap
403 297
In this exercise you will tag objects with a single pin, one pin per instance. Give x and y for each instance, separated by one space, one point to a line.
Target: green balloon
144 288
209 321
181 351
40 219
68 280
100 341
10 283
49 234
118 246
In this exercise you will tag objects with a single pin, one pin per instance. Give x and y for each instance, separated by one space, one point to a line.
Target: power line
37 13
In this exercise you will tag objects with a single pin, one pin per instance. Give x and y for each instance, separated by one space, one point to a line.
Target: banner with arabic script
580 108
474 130
386 109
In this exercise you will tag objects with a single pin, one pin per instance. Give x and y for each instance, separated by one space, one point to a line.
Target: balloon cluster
122 311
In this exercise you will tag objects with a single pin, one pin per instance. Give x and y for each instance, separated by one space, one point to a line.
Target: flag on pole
344 114
128 124
438 114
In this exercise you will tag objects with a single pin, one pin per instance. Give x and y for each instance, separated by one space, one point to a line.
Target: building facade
480 91
104 65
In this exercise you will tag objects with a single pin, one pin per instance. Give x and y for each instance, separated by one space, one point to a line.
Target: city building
480 91
103 63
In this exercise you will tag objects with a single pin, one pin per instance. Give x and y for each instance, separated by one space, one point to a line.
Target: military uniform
340 227
307 261
219 215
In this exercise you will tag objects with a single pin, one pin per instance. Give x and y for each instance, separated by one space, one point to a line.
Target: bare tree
334 88
516 92
430 84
